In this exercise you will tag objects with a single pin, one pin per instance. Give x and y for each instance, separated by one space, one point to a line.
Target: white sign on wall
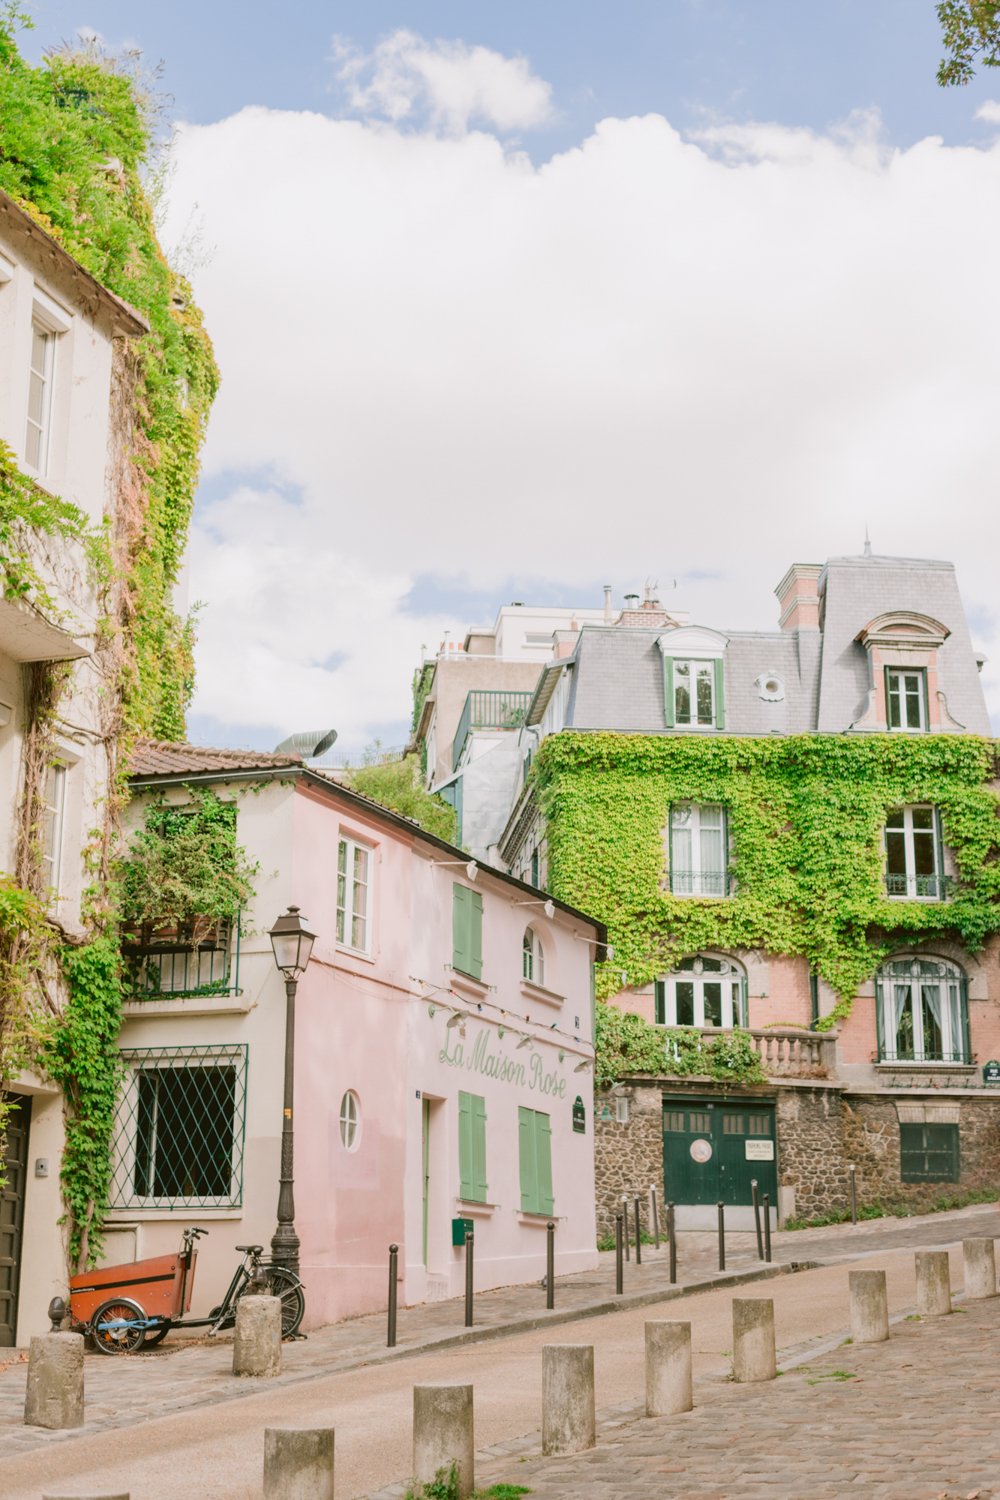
760 1150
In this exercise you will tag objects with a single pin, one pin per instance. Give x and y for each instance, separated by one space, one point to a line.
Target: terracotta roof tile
166 758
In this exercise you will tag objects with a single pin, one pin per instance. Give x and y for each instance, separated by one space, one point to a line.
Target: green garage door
713 1149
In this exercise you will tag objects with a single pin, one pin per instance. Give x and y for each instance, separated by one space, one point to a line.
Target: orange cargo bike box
157 1286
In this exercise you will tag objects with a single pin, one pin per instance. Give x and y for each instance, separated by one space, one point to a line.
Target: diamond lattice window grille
179 1128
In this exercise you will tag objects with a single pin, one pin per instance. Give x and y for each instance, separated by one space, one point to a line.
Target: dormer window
694 693
906 697
693 677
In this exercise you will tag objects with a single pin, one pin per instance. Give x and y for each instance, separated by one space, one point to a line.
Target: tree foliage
186 862
398 784
971 32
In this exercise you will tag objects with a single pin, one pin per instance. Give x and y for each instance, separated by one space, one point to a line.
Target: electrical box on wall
42 1166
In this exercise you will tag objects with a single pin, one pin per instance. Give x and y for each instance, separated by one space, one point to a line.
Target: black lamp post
292 943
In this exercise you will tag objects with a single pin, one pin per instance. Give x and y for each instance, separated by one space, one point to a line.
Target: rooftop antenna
868 545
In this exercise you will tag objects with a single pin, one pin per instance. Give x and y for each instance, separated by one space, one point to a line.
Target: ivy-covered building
792 838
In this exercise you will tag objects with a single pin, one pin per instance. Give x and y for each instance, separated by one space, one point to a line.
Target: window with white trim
694 693
703 991
906 699
699 853
922 1012
913 855
354 864
350 1121
36 442
54 801
533 958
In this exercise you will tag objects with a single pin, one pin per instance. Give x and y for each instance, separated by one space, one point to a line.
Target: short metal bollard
638 1233
767 1228
756 1218
627 1230
469 1275
672 1239
298 1463
393 1258
619 1265
550 1265
854 1193
654 1217
722 1235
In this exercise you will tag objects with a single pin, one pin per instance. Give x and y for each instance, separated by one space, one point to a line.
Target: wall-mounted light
524 1042
583 1067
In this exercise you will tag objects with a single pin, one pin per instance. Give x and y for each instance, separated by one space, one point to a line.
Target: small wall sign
760 1150
991 1072
579 1116
701 1151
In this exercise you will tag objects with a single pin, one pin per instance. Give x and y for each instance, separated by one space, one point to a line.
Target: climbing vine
806 818
626 1044
186 862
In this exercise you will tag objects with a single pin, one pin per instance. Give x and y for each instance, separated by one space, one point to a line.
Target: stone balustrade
790 1051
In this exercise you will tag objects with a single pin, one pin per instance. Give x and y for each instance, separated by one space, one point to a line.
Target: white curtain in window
711 841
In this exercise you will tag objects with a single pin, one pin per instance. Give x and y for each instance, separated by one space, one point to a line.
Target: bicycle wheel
287 1286
114 1327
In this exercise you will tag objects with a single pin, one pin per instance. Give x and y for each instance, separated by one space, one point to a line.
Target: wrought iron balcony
699 883
918 887
488 708
168 959
959 1056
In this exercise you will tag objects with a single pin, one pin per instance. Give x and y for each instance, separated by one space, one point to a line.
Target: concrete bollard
980 1268
54 1395
443 1434
933 1283
76 1495
753 1339
668 1368
257 1345
298 1463
568 1417
869 1307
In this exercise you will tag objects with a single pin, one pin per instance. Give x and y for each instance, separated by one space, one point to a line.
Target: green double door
713 1149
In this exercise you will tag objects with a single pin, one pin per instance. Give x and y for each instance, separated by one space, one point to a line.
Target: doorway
12 1213
713 1149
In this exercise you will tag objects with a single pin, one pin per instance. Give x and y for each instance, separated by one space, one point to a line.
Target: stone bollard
668 1368
933 1283
568 1418
298 1463
869 1307
980 1268
76 1495
443 1434
753 1339
54 1396
257 1345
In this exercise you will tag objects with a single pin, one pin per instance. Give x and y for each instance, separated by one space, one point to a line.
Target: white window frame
55 824
350 1121
900 984
345 912
43 426
533 958
696 666
903 672
693 878
702 971
918 887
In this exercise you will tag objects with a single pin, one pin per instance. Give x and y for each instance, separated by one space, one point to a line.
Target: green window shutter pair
535 1151
472 1148
668 694
467 931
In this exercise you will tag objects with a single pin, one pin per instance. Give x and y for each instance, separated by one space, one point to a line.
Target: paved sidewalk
185 1374
912 1419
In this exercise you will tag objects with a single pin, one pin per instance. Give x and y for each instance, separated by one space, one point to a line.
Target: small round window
350 1121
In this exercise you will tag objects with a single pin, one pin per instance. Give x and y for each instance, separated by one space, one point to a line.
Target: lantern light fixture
292 943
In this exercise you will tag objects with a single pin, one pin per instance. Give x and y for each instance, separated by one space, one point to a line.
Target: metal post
625 1217
550 1266
767 1229
469 1276
619 1268
722 1235
854 1197
638 1234
393 1258
284 1240
654 1217
672 1238
756 1217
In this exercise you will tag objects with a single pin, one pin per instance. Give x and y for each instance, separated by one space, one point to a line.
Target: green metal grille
179 1128
492 708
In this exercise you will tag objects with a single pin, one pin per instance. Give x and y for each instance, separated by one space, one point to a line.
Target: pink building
443 1055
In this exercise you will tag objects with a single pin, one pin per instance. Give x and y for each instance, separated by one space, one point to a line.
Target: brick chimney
798 597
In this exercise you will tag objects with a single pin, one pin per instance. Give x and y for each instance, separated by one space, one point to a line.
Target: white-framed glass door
703 991
922 1012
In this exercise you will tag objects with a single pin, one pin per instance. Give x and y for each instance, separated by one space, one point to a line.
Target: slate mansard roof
616 674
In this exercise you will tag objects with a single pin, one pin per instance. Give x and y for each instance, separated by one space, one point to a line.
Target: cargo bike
126 1308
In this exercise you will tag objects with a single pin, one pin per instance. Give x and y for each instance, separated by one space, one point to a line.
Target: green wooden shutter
668 691
480 1187
660 990
526 1153
726 887
744 1002
543 1159
720 698
465 1145
461 948
963 1003
475 936
939 855
880 1018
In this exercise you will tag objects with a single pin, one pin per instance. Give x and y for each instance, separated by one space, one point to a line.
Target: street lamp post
292 943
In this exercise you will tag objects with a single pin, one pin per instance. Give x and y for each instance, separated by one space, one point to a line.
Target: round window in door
706 990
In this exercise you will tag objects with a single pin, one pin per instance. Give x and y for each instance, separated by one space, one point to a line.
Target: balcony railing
788 1051
172 960
488 709
915 887
699 882
957 1055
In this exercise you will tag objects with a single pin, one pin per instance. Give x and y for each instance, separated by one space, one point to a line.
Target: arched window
706 990
533 958
922 1011
350 1121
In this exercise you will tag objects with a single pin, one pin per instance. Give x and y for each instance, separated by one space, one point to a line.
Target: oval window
350 1121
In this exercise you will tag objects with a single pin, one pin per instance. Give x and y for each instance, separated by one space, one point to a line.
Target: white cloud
989 110
448 82
651 356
